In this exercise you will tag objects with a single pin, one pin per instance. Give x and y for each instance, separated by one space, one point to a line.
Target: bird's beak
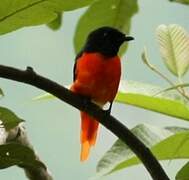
129 38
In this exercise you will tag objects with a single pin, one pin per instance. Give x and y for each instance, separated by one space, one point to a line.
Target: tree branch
28 76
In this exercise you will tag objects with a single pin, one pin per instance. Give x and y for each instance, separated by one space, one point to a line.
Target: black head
105 40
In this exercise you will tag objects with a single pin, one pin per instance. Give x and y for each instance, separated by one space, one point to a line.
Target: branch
19 135
28 76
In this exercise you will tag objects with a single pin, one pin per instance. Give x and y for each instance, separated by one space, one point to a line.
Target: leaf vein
21 9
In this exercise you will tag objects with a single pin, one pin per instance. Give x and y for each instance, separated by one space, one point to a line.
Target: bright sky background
53 126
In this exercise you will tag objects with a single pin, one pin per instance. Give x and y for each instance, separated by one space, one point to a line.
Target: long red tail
89 127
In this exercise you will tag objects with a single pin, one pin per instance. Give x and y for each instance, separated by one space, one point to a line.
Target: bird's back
97 77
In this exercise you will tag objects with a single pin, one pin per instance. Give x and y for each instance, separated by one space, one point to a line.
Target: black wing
74 68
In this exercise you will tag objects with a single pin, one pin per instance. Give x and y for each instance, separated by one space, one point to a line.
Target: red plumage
98 78
97 74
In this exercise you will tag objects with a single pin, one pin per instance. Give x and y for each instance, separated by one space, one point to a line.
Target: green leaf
114 13
8 118
183 173
176 129
163 143
142 95
46 96
181 1
56 23
16 154
174 48
15 14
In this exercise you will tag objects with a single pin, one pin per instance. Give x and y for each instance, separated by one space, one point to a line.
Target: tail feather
89 127
85 149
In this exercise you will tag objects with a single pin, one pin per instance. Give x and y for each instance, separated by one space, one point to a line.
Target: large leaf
15 14
142 95
174 48
183 173
181 1
148 97
16 154
8 118
163 143
114 13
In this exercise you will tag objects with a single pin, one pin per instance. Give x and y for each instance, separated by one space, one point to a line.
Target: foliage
56 23
144 96
174 48
20 13
149 97
181 1
8 118
15 154
183 173
166 143
117 13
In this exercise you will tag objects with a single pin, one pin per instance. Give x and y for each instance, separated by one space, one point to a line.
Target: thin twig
182 88
157 71
121 131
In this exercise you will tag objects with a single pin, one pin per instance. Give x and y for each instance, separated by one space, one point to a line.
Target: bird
96 76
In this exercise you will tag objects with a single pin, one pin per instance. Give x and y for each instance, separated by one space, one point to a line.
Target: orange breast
97 77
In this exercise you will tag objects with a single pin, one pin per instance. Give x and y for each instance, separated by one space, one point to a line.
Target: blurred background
53 126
